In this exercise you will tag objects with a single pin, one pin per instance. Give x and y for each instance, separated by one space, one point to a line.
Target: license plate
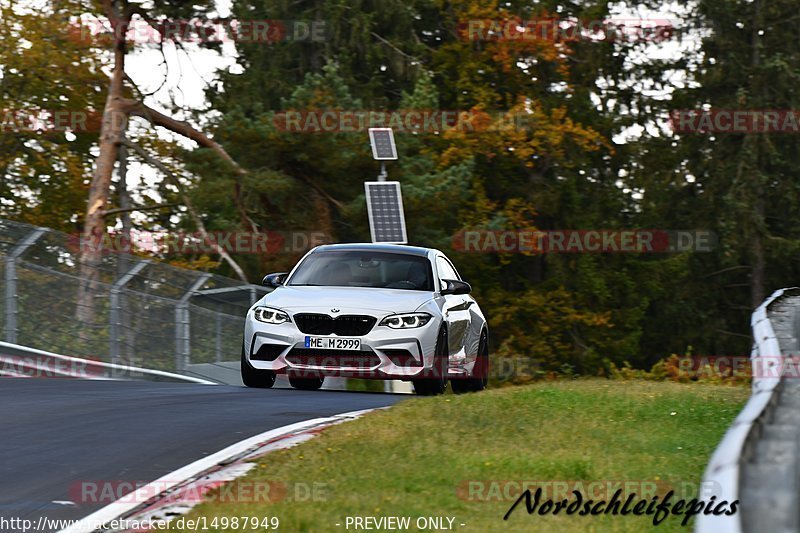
333 343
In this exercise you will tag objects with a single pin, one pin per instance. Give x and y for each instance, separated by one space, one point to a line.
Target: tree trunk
124 262
112 129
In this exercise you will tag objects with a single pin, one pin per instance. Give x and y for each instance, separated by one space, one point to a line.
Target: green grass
411 459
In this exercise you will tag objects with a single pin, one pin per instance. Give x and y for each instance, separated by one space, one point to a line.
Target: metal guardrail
742 447
21 361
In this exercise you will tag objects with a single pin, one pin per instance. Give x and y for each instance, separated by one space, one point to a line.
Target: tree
740 185
46 70
506 177
122 102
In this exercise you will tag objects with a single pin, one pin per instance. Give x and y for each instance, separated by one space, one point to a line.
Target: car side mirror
454 286
274 280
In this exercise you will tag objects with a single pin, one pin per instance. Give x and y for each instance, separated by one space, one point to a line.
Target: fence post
218 335
115 309
179 359
183 345
11 296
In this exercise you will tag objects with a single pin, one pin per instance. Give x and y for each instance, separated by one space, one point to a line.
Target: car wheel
438 383
252 377
480 372
307 383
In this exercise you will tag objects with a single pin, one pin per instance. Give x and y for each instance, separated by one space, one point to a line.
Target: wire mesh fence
143 312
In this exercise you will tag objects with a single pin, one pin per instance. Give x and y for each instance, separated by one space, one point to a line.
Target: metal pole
113 325
182 325
218 331
383 175
178 338
114 321
11 296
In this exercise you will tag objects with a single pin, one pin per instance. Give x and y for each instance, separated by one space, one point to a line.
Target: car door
456 312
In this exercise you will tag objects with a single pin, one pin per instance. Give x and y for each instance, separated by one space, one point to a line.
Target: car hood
346 299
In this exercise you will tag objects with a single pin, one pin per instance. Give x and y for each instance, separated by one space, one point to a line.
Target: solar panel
382 141
387 222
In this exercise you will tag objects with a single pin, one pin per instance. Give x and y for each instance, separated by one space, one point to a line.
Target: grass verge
417 458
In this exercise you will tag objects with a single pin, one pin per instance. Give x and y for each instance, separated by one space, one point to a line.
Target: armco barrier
740 441
21 361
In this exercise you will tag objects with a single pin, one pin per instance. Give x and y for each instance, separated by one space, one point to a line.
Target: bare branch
308 181
139 109
137 208
393 47
189 206
729 269
157 118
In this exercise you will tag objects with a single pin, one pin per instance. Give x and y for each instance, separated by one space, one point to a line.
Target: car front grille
345 325
362 360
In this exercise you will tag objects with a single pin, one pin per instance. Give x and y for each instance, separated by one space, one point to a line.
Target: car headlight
406 320
270 315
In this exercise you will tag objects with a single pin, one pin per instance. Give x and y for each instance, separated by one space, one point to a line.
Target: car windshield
364 269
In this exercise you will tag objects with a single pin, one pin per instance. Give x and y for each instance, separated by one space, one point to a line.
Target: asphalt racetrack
58 434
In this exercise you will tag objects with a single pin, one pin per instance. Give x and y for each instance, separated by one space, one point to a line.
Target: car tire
432 386
307 383
255 378
480 372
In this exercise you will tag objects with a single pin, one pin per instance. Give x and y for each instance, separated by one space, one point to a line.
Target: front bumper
385 353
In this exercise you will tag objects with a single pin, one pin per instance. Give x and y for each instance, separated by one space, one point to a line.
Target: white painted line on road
130 502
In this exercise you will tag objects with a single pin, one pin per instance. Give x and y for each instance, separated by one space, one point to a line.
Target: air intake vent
268 352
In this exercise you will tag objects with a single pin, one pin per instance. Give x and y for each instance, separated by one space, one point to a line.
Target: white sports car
379 311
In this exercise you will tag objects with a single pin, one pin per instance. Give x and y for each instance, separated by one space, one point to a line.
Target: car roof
375 247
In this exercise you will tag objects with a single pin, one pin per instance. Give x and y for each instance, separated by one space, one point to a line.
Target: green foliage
673 368
546 155
743 187
557 168
45 68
